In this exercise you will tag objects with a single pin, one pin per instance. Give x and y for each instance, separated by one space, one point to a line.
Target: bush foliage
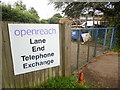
17 15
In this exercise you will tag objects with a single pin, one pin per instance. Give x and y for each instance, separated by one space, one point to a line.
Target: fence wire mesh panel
83 54
104 40
73 55
100 41
91 44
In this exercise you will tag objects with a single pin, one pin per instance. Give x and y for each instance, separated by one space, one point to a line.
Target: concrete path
102 72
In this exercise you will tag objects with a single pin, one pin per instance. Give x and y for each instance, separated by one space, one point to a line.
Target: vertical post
86 22
93 25
104 39
111 42
66 48
0 55
88 40
95 49
60 37
78 48
88 48
93 21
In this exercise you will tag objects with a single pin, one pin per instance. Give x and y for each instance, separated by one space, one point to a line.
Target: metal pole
111 42
88 40
88 49
95 49
104 39
78 47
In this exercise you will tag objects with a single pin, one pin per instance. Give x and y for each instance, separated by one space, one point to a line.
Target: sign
34 46
86 36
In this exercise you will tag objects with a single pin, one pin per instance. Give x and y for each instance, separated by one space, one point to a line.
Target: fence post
60 37
78 49
96 37
88 47
105 36
111 41
0 55
66 48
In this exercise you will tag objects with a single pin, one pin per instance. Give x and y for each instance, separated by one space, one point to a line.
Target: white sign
86 36
34 46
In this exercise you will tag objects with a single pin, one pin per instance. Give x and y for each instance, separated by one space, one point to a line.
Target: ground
102 72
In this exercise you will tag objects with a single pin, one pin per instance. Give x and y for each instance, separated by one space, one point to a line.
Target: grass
116 50
63 82
90 84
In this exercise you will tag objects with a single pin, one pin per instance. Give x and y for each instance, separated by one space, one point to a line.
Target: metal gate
101 40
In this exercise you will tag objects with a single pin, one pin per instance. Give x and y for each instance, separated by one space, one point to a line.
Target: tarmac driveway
102 72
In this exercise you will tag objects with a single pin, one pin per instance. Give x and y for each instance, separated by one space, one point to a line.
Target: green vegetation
116 50
44 21
91 85
18 13
62 82
53 20
100 41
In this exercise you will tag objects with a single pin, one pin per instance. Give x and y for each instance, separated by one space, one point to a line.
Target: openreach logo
28 32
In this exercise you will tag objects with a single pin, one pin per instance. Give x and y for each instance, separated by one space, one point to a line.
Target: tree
55 18
75 9
19 5
44 21
57 15
33 11
17 15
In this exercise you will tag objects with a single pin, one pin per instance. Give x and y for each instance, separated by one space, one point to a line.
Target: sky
44 10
